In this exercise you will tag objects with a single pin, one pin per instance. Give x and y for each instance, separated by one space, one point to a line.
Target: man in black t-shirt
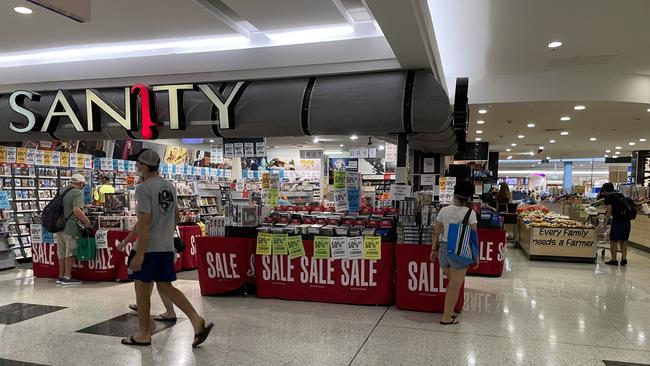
621 227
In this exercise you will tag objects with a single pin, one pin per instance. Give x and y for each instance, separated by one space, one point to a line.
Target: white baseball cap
78 178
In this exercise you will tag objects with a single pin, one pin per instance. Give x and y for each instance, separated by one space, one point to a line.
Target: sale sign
492 252
224 264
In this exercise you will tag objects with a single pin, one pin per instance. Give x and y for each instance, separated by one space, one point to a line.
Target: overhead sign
311 154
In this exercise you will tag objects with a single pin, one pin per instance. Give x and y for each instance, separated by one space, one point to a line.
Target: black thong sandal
452 322
203 335
162 318
132 342
133 307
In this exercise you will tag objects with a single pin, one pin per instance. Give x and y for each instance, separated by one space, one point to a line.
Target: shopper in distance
622 211
153 260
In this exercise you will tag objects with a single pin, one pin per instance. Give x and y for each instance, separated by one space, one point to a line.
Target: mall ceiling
500 44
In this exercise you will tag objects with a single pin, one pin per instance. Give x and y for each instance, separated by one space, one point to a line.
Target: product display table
492 252
109 264
421 285
224 264
345 281
558 243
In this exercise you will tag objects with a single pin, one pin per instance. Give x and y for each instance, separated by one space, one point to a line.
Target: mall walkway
538 313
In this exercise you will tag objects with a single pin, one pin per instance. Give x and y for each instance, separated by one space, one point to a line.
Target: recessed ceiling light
513 145
565 118
593 139
631 143
508 149
479 131
354 137
531 125
531 153
477 139
482 111
551 141
316 140
341 145
520 136
480 122
548 158
618 147
381 147
541 147
641 140
579 108
564 133
211 141
607 156
608 151
648 110
509 157
22 10
618 152
581 165
554 44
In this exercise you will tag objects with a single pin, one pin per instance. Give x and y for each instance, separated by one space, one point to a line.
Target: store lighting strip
551 172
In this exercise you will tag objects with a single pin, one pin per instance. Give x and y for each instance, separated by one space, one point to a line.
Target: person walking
75 220
154 257
619 233
455 272
503 198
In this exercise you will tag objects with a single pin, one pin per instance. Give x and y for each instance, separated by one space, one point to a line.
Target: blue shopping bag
462 242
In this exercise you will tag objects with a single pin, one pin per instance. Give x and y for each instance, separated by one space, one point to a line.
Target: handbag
179 244
86 246
462 242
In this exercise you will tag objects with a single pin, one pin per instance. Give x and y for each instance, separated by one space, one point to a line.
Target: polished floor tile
125 326
18 312
537 313
6 362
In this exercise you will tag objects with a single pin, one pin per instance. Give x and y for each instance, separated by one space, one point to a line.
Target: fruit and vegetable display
532 208
539 218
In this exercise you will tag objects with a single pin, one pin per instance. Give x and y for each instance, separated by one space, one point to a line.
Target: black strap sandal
132 342
203 335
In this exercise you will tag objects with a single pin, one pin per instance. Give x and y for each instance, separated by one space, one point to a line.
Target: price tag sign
428 179
341 200
106 164
260 149
88 162
81 161
73 160
11 155
3 154
228 150
101 239
280 244
264 244
21 155
65 159
266 180
56 158
295 246
340 180
249 149
372 247
38 157
36 231
273 197
274 181
339 247
352 180
399 192
355 247
239 150
322 247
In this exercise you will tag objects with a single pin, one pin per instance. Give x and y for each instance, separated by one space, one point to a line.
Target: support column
568 177
402 158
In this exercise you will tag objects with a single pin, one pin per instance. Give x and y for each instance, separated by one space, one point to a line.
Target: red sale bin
224 263
492 252
189 235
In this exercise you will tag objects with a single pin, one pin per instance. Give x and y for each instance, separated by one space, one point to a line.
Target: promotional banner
295 246
264 244
21 155
339 248
345 281
355 247
280 244
372 247
189 234
421 285
492 252
224 264
322 247
11 155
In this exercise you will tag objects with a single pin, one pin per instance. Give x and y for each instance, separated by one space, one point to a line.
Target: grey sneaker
58 280
70 282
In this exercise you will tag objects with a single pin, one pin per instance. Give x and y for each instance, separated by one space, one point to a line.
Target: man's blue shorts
156 267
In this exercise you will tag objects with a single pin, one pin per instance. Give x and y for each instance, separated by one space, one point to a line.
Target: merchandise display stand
225 264
492 252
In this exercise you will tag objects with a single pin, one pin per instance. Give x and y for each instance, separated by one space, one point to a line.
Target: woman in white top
455 272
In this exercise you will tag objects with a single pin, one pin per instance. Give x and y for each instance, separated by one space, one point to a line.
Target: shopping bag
462 242
86 248
179 244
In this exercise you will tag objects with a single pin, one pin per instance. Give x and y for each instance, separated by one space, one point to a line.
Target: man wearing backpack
73 213
619 210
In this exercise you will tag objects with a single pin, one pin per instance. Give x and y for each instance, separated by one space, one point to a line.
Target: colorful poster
56 158
341 200
31 157
47 158
81 161
260 149
11 155
106 164
322 247
264 244
88 162
21 155
65 159
249 149
280 245
73 160
339 247
295 246
38 157
239 150
354 200
273 197
3 154
340 179
266 180
175 155
372 247
228 150
355 247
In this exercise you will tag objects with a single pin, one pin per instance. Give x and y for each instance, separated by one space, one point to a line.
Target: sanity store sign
131 118
563 242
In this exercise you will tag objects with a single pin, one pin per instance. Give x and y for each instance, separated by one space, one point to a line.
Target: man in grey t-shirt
154 258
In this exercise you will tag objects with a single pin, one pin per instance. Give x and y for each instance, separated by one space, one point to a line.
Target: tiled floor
537 313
